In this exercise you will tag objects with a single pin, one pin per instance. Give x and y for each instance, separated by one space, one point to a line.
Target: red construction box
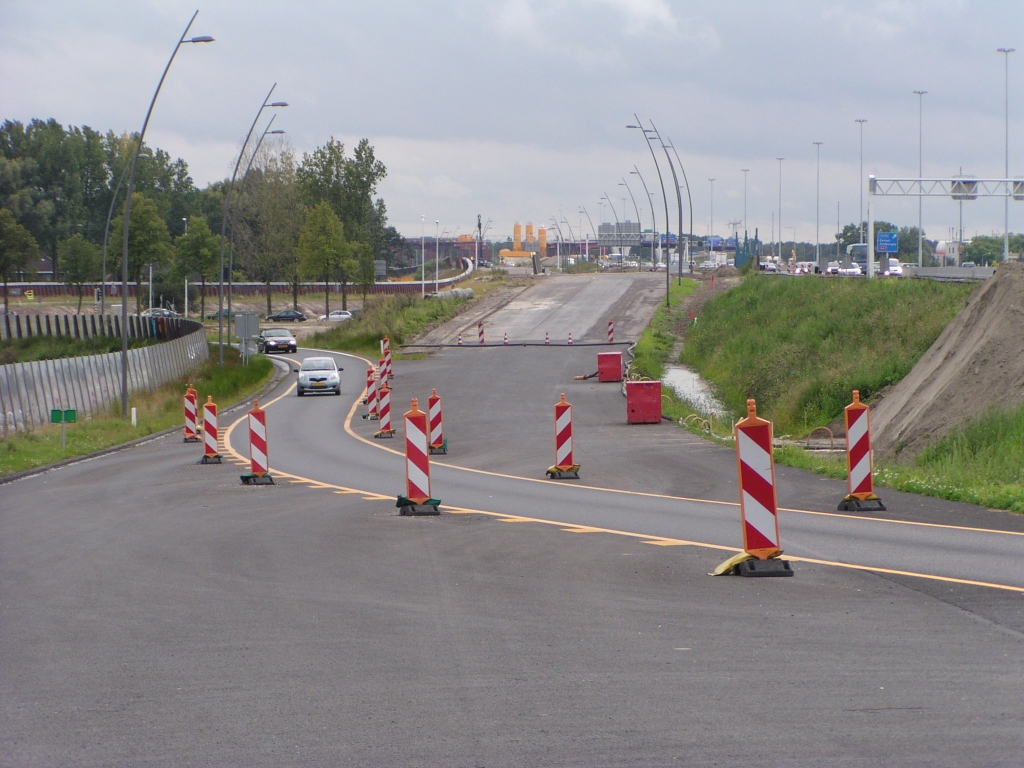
643 402
609 366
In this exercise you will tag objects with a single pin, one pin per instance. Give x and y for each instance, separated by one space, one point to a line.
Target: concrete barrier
91 383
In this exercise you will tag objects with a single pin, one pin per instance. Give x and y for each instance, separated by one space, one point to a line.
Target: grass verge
800 345
157 410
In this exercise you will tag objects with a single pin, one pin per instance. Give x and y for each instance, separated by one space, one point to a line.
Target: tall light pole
920 197
128 215
860 216
679 202
224 221
234 211
437 253
641 226
711 230
780 159
745 172
423 259
654 220
817 202
1006 200
639 127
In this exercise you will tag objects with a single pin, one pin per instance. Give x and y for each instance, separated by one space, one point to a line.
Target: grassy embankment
800 346
654 347
398 317
55 347
157 410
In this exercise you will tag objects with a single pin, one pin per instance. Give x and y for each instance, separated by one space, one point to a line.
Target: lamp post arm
127 220
223 230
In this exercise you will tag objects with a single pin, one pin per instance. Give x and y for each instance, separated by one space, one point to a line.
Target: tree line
314 218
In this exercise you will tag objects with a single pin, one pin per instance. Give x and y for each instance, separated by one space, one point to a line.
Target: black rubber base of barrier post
439 449
370 417
215 459
250 479
384 433
190 440
760 568
564 473
407 507
853 504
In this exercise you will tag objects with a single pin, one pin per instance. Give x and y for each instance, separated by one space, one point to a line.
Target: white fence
91 383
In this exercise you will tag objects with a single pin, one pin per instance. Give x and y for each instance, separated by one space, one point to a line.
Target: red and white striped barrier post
505 342
547 339
369 385
611 331
480 332
384 411
570 338
459 342
859 459
564 465
438 442
210 453
758 503
371 395
389 372
259 464
417 500
191 412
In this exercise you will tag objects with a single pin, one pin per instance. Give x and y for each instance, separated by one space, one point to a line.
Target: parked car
337 316
319 374
221 313
159 312
286 316
276 340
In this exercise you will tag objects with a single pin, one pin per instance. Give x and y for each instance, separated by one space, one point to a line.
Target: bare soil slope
976 363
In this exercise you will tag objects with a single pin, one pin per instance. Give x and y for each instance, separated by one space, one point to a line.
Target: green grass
55 347
157 411
655 344
799 346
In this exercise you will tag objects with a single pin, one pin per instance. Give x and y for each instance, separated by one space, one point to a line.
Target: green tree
269 219
348 185
81 263
148 241
365 272
17 248
984 249
323 252
197 253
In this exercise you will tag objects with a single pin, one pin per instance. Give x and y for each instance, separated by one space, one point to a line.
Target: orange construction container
609 366
643 402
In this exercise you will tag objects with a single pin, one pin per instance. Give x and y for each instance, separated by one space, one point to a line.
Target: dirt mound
976 363
727 272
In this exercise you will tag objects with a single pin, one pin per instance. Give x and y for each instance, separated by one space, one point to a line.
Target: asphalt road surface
154 611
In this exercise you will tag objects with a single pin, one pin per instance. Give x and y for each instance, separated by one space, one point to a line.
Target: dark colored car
286 316
276 340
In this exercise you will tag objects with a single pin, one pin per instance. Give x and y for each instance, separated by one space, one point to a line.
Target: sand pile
976 363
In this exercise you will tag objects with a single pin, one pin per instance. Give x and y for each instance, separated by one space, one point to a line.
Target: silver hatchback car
319 374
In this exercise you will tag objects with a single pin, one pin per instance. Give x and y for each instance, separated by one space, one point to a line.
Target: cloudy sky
517 109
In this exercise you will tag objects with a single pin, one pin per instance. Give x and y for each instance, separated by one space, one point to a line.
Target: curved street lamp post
224 221
128 214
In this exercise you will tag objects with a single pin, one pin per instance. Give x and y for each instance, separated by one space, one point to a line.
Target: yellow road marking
642 537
